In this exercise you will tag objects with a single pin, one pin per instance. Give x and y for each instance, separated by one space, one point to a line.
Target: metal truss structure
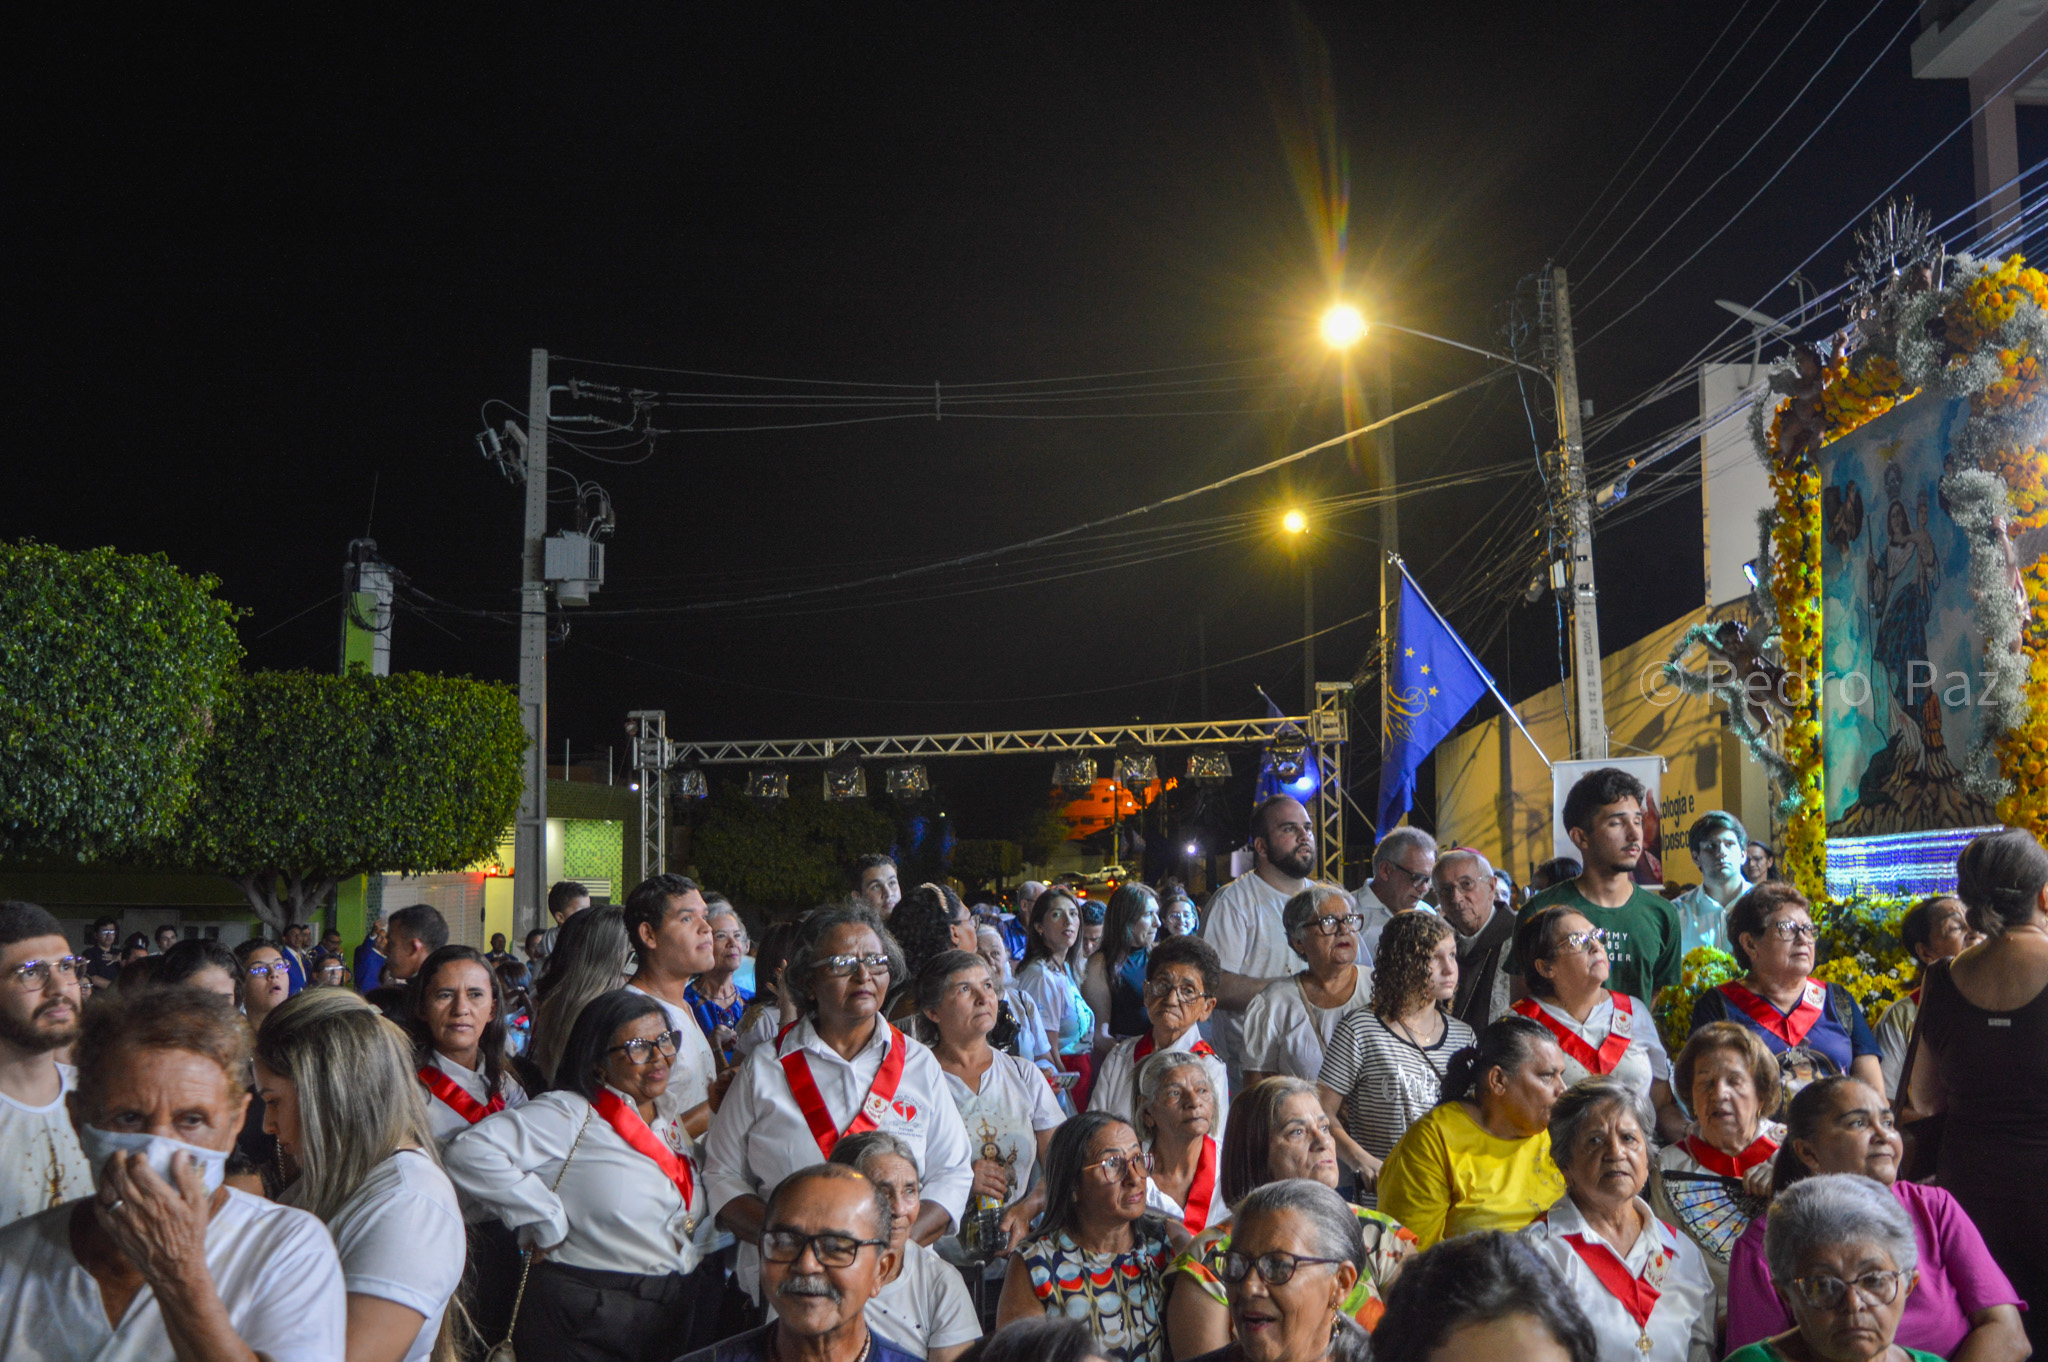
1326 731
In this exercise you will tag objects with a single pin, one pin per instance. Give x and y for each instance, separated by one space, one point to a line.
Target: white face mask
101 1145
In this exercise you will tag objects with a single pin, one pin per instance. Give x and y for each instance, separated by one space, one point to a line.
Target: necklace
1410 1036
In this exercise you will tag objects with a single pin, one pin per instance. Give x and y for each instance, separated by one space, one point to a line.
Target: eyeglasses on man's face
830 1249
1417 879
846 966
1827 1293
36 974
265 971
1276 1268
1114 1166
642 1050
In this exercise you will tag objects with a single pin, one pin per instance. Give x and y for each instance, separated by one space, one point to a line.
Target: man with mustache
1603 815
824 1254
39 1007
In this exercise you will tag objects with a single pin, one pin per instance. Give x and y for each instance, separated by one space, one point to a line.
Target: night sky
261 270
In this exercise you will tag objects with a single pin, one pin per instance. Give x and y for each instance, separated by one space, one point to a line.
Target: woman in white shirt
1005 1102
1643 1285
924 1310
840 1070
1290 1023
458 1009
164 1250
340 1098
1563 961
598 1180
1051 975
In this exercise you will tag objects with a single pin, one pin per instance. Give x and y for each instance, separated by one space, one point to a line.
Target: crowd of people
1431 1117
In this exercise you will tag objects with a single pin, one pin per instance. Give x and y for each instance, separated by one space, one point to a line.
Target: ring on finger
116 1204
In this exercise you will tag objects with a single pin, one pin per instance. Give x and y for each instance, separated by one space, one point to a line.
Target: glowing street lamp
1343 326
1294 522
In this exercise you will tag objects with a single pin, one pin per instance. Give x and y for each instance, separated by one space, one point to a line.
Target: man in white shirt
1485 932
566 898
1401 867
1718 843
669 925
39 1007
1244 918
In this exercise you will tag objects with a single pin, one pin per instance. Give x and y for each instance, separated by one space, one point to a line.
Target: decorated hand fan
1714 1210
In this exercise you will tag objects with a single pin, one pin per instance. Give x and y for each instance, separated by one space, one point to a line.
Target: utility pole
1575 511
365 610
530 831
1308 632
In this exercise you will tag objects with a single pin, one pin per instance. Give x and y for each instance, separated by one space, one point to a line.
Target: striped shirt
1388 1081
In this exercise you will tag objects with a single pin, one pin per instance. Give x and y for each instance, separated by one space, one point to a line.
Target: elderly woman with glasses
1814 1028
598 1180
1293 1262
1099 1257
1841 1253
840 1070
1290 1023
1562 958
1642 1284
1181 979
1278 1130
1961 1306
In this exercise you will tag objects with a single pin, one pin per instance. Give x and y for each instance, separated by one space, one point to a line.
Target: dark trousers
488 1284
575 1314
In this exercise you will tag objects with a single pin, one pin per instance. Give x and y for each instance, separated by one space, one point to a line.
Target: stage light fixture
907 779
1136 769
844 782
1075 775
688 783
1208 768
767 786
1288 752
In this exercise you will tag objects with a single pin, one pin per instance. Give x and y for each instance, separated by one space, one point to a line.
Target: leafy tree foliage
310 779
987 861
111 667
792 854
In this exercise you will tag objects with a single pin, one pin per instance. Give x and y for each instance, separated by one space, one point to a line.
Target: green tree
987 861
793 854
309 779
111 666
1044 833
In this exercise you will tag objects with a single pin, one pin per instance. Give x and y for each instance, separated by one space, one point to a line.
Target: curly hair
1400 972
923 924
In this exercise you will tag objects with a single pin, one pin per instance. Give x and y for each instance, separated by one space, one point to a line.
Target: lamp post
1296 525
1344 326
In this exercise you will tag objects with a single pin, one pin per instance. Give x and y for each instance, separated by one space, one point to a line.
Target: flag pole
1477 665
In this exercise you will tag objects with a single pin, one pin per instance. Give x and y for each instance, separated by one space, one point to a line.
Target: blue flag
1431 683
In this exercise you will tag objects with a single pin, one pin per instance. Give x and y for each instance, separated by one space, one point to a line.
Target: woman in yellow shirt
1480 1160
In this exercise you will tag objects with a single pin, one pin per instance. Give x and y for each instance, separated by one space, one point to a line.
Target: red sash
626 1119
1601 1061
812 1104
1637 1296
1144 1048
1790 1029
1729 1165
458 1101
1196 1214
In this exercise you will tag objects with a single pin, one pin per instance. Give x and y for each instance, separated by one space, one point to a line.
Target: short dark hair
1506 1043
1711 823
563 893
869 862
187 958
1187 950
423 923
1999 877
590 1037
1594 791
1748 914
1262 810
1557 870
1042 1338
1476 1279
100 922
1536 939
1916 928
647 906
1812 1105
23 921
491 1043
923 924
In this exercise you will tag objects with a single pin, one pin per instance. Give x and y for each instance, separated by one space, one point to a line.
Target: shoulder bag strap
503 1352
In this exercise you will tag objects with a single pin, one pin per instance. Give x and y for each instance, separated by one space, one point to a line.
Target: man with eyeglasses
1485 932
824 1255
1401 867
43 1165
1244 918
1181 977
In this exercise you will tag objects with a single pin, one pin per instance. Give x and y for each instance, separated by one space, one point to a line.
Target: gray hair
1334 1233
1832 1209
858 1151
808 951
1152 1074
1391 846
1581 1103
885 1214
1303 908
1456 854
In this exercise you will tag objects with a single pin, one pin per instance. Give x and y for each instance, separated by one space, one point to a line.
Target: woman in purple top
1962 1305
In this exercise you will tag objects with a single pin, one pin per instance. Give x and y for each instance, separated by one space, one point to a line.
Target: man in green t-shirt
1603 815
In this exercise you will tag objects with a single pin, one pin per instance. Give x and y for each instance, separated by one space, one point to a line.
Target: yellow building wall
1494 792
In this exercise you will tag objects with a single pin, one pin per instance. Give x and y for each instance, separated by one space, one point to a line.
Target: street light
1343 326
1294 522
